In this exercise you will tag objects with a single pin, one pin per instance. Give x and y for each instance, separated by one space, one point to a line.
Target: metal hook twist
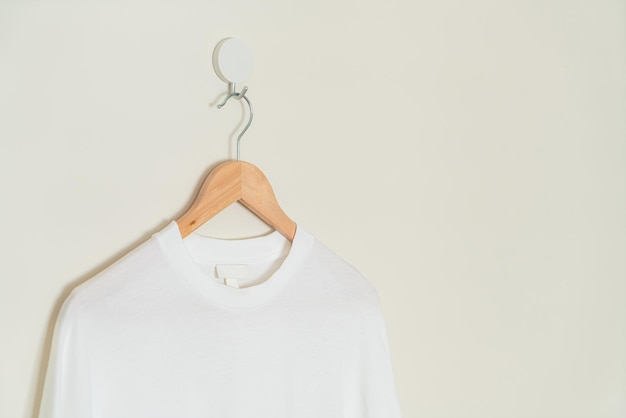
239 96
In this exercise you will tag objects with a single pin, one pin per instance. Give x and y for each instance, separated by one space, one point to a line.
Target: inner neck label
231 271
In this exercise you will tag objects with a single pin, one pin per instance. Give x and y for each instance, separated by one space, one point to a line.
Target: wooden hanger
234 181
228 183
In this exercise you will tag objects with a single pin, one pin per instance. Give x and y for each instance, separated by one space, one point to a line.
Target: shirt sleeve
66 386
381 397
368 377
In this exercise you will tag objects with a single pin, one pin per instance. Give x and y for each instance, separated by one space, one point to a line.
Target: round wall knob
232 60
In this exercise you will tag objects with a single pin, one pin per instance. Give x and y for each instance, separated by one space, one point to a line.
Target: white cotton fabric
158 335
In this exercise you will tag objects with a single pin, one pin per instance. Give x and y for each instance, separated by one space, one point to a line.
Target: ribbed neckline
246 250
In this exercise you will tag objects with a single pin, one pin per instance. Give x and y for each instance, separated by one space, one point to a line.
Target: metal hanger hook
239 96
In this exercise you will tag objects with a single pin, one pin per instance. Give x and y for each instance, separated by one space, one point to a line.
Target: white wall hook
232 61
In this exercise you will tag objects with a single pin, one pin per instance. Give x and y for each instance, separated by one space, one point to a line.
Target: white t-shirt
159 334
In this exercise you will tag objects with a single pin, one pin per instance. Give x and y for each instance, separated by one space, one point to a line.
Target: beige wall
467 157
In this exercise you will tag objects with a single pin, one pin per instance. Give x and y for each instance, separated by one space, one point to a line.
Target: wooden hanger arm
221 188
258 196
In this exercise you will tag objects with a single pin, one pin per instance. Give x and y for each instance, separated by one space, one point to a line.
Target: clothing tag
231 282
231 271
